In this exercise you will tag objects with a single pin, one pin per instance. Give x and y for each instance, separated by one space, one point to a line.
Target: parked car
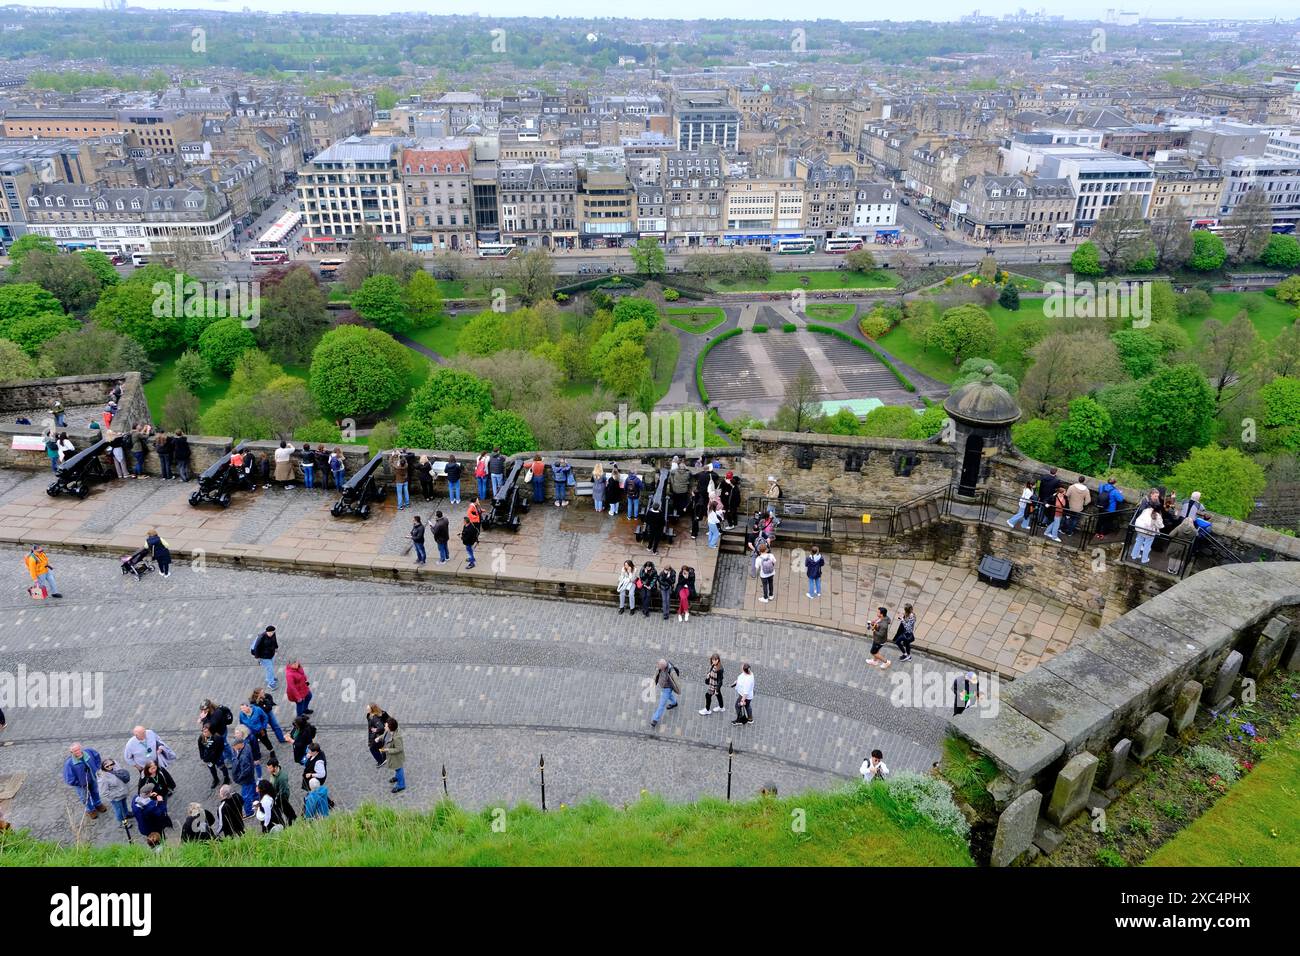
906 201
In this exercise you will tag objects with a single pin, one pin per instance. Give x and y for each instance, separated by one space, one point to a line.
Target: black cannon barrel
361 489
358 481
217 480
661 490
81 459
76 474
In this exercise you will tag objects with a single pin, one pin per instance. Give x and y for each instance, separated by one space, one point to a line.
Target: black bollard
730 751
541 766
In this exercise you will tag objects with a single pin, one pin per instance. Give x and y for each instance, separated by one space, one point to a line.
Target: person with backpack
481 475
744 687
417 539
212 753
713 687
1109 495
666 678
813 564
394 752
262 698
317 802
254 721
765 566
244 769
263 649
714 519
181 455
497 470
873 767
113 787
632 492
626 588
469 538
647 581
338 467
906 633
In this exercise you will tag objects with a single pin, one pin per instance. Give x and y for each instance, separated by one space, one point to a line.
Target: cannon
85 468
360 490
219 480
509 502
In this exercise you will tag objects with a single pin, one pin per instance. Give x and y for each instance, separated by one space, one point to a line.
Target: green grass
157 388
441 337
857 826
832 311
670 347
1270 318
695 319
819 280
1254 824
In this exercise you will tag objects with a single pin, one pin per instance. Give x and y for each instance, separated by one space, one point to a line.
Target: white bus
844 244
262 254
802 246
495 250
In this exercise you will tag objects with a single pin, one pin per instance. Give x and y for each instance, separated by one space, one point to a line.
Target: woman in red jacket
297 688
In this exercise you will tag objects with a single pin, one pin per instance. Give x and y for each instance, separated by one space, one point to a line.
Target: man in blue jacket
1112 497
244 771
79 772
255 720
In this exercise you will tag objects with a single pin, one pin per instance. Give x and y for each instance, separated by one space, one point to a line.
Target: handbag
38 592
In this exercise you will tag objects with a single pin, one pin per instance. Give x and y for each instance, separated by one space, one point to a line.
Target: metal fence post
444 781
541 765
730 752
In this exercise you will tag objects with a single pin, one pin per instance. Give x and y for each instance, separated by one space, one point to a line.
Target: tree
449 387
356 371
192 372
1082 436
1085 260
29 242
1195 303
423 300
1279 417
1035 438
1009 297
1171 234
91 350
752 265
1227 354
988 269
15 364
1288 290
481 335
888 421
101 266
1177 413
534 275
222 342
1139 352
186 255
130 307
802 406
1121 234
1208 251
1163 301
24 299
1228 481
366 257
33 331
963 331
507 431
66 276
180 410
294 315
519 380
379 301
1248 227
648 256
1067 365
629 308
624 368
1283 354
843 422
1282 252
972 370
861 260
929 423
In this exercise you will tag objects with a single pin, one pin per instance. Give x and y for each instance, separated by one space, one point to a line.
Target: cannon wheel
195 498
54 490
364 511
224 500
381 493
80 489
336 511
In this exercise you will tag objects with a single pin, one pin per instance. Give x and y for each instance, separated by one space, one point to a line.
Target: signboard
866 519
794 509
28 443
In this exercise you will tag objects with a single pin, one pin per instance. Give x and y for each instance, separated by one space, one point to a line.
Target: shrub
192 371
507 431
671 295
1214 762
789 327
874 326
759 328
358 371
930 798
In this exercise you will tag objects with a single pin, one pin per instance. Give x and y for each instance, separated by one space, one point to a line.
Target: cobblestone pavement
484 684
1008 630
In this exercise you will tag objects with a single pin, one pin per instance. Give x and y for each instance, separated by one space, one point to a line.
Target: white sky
751 9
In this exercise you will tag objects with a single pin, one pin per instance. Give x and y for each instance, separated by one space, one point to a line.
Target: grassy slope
818 280
857 826
695 319
1255 824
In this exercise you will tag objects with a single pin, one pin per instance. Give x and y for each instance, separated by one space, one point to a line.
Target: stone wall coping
1050 712
921 446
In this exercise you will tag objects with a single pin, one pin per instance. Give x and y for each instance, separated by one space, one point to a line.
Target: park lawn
819 280
441 336
1254 824
1270 318
670 350
160 386
695 319
835 312
856 826
900 342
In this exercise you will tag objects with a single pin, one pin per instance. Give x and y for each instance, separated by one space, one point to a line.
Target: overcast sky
756 9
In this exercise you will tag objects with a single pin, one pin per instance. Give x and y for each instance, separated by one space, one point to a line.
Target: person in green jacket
395 751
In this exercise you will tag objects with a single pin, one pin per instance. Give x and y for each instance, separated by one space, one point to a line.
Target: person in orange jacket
38 566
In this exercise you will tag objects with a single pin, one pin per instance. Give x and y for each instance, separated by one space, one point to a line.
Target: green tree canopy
379 301
1081 439
31 332
1228 481
963 331
507 431
1208 251
356 371
222 342
423 300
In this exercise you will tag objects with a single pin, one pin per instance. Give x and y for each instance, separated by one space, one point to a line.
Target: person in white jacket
873 768
744 685
627 587
1148 525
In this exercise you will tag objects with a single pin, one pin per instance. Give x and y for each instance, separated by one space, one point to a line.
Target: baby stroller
137 563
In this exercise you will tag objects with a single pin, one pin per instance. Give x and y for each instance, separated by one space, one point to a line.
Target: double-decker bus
329 268
844 244
272 246
802 246
495 250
